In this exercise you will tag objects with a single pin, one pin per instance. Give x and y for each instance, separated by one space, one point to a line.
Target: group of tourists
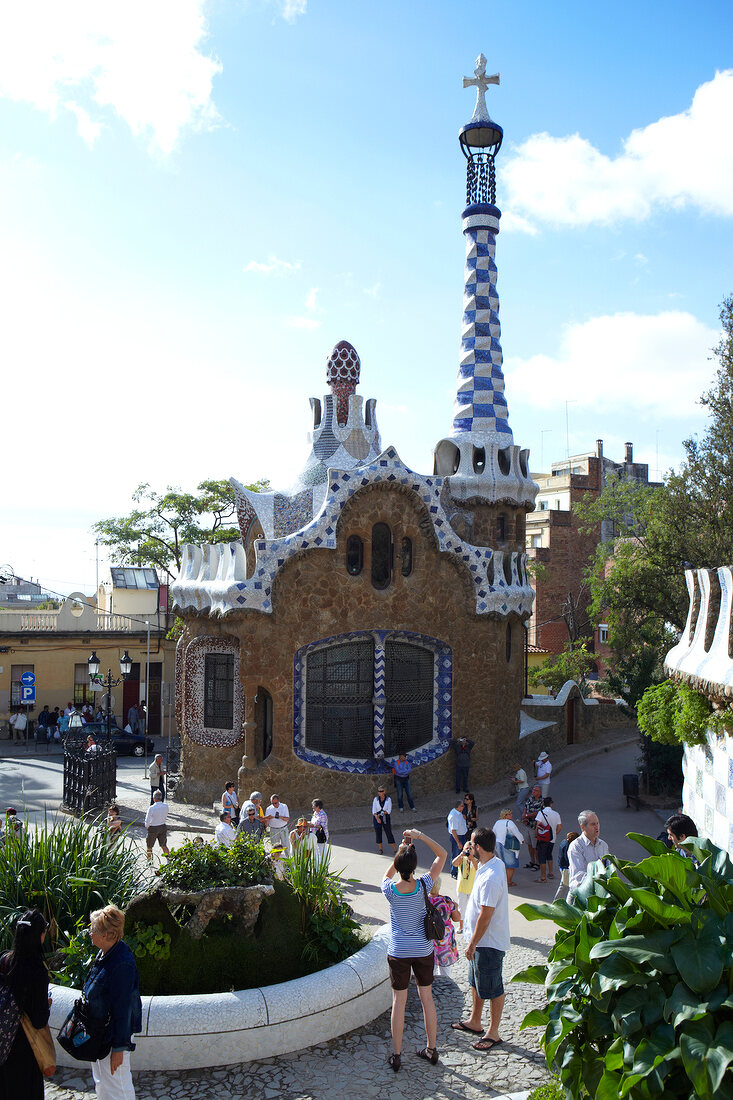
252 819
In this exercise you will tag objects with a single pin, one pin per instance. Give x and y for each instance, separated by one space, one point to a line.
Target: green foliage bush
65 868
639 982
149 939
551 1090
190 867
325 916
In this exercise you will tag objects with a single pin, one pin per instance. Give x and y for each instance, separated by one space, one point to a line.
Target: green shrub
65 868
190 867
325 916
639 982
149 939
551 1090
71 963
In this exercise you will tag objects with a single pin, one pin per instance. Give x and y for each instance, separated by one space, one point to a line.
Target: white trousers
113 1086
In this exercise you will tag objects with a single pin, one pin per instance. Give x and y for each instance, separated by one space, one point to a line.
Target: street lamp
96 678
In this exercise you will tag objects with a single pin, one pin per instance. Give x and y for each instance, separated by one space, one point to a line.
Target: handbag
511 843
41 1044
83 1037
320 835
434 924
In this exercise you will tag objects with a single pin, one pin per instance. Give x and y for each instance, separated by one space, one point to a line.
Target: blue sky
200 198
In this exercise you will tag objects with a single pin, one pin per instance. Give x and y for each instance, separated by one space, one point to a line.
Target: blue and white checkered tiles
480 403
442 704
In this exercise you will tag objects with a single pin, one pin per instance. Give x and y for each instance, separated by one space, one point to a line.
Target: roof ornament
481 82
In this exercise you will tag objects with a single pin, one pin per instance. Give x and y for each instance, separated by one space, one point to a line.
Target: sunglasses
250 813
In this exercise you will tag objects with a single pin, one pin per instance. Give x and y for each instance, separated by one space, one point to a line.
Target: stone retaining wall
221 1029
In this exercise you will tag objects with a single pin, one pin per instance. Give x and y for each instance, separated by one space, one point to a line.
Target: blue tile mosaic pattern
480 402
442 704
214 580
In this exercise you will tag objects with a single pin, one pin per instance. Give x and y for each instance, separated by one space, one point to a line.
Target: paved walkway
355 1064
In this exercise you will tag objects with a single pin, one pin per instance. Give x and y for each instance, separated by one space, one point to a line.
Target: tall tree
154 533
637 580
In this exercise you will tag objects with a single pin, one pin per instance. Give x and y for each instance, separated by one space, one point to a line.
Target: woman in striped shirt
409 948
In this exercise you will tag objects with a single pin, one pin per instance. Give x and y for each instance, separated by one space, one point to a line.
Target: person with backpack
23 989
547 827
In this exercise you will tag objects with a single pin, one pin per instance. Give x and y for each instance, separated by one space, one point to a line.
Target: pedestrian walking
23 973
520 786
156 824
465 864
509 842
409 950
543 771
532 805
18 724
456 824
547 828
156 775
401 771
382 819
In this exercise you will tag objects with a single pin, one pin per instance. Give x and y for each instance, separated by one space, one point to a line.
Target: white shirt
457 821
553 819
489 889
309 839
385 809
277 822
18 721
503 826
521 777
157 814
224 834
543 769
580 853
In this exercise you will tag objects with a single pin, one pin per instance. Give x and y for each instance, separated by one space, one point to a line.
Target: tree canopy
154 533
637 581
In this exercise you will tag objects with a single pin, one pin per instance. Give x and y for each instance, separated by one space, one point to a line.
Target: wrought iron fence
90 778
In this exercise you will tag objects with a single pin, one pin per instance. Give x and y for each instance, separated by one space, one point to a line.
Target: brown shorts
399 970
159 833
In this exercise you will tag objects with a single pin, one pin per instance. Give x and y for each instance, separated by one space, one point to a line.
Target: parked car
126 744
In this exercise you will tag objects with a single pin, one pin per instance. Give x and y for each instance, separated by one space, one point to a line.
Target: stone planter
222 1029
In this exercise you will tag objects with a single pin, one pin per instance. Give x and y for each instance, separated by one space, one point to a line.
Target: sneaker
402 809
413 809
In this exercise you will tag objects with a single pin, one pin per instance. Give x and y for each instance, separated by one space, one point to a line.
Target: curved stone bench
222 1029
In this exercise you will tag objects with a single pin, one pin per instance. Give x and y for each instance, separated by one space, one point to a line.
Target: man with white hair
277 816
587 848
249 822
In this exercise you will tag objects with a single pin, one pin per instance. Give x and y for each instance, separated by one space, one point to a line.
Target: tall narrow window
354 555
501 522
406 557
263 717
408 681
82 689
219 691
381 555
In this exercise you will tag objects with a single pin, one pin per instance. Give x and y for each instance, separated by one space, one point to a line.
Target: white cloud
291 9
679 161
141 61
310 299
303 322
88 130
651 365
307 320
373 291
273 266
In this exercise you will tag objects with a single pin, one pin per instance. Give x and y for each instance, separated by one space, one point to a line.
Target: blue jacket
112 988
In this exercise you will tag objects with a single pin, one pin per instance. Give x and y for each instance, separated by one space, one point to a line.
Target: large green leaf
609 1086
638 1009
650 844
720 863
700 959
534 975
536 1018
650 951
705 1062
682 1004
567 916
673 871
663 912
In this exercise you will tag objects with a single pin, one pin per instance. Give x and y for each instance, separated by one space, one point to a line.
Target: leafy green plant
65 868
190 867
75 958
551 1090
149 939
675 714
639 980
326 917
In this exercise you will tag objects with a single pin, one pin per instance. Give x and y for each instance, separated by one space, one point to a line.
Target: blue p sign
27 694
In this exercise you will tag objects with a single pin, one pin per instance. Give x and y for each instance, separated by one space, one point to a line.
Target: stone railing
702 657
223 1029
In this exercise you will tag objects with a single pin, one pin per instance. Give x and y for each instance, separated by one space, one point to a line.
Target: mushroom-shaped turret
343 367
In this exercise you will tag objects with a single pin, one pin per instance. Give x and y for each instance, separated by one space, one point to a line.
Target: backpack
543 830
9 1022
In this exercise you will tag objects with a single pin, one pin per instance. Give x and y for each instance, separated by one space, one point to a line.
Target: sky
199 198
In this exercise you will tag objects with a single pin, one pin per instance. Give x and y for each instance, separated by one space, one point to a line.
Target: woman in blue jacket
112 992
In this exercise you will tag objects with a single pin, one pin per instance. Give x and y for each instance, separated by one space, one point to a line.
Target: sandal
395 1061
430 1054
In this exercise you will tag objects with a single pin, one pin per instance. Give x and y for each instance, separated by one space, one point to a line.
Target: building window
354 555
508 642
408 688
502 527
537 540
339 690
381 555
16 695
263 717
82 689
219 691
543 506
364 697
406 557
603 633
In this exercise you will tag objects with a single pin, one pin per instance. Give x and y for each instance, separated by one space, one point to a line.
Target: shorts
159 833
544 850
484 973
422 968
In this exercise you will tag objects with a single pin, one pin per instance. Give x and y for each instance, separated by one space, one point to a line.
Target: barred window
408 718
219 691
339 689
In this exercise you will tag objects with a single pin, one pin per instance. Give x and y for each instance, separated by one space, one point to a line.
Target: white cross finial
480 81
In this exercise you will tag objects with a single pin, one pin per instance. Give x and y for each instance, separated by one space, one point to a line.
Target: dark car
130 744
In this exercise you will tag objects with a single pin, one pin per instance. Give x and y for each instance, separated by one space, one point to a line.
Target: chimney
599 448
629 454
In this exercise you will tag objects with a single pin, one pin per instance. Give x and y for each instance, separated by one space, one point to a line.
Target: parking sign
27 694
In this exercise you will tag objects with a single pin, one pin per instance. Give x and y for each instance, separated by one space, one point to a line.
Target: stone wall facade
314 598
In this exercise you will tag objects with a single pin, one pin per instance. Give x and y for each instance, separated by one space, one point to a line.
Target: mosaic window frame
194 687
378 762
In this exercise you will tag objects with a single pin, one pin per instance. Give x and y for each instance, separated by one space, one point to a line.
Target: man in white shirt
223 833
543 771
587 848
486 931
156 823
277 816
457 829
547 828
18 723
520 784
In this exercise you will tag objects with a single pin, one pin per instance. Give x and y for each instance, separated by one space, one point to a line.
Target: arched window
508 642
381 555
354 555
406 557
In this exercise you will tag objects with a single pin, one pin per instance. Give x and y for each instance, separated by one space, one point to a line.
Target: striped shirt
407 939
